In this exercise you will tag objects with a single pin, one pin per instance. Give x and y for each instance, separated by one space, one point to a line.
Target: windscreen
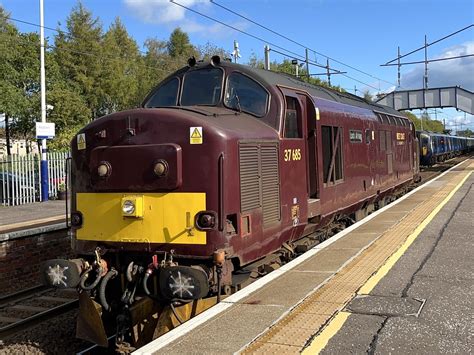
165 95
202 87
245 94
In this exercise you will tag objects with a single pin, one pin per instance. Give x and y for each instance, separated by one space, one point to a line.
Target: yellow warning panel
81 141
195 135
164 217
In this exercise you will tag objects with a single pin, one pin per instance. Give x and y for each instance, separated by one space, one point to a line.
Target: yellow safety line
374 279
320 341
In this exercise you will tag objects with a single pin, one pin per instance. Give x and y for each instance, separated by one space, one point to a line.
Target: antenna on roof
236 51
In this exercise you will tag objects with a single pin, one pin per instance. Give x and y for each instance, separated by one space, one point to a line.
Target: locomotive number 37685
292 154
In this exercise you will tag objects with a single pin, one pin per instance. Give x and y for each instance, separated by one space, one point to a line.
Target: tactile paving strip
292 332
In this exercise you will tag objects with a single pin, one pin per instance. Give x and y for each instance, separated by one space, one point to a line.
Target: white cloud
164 12
455 72
160 11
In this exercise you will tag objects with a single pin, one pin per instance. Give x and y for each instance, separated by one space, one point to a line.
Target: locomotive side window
332 153
202 87
292 119
165 95
245 94
355 136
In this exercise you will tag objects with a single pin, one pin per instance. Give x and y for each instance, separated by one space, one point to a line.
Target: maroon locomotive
221 166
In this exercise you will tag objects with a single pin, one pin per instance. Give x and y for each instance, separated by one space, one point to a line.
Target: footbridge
455 96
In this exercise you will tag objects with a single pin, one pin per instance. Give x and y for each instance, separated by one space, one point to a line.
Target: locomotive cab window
292 118
245 94
165 95
202 87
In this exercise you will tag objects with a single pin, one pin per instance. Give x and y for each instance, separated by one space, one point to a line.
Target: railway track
26 308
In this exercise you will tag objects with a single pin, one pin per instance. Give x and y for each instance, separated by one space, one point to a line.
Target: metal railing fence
20 177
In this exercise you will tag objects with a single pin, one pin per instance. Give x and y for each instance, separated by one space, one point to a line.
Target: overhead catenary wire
47 28
430 44
143 52
293 54
296 55
295 42
89 54
429 61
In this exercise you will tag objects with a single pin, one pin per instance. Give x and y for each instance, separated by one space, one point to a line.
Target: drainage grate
386 306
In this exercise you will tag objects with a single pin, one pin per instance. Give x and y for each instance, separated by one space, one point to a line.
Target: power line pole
44 156
328 73
399 67
307 62
267 57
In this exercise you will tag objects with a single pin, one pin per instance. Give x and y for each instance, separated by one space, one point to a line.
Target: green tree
119 79
368 96
465 133
428 124
179 45
78 53
19 80
208 50
153 66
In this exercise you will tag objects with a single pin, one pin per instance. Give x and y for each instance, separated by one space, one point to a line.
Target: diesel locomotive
221 166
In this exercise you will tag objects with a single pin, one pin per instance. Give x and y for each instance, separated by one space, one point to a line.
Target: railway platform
24 220
398 281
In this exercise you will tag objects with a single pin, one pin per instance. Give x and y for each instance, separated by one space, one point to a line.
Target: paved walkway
438 270
17 215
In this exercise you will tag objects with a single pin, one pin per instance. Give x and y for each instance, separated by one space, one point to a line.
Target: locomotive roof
274 78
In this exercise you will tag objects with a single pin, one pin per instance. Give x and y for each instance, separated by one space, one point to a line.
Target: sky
357 35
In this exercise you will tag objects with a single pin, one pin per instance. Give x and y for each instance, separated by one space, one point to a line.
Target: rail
18 303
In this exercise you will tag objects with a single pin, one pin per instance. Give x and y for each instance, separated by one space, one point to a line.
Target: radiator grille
259 179
249 179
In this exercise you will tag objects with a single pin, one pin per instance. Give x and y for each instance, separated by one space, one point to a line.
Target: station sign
45 130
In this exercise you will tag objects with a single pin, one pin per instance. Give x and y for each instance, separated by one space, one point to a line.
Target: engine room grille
259 179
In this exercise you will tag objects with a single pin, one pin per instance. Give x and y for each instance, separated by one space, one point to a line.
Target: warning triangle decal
196 133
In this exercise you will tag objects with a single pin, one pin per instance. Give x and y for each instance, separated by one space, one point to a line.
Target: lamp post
44 157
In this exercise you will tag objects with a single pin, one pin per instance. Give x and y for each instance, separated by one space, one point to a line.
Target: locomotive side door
293 158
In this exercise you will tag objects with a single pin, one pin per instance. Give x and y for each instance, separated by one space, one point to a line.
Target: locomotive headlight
132 206
160 168
128 207
104 169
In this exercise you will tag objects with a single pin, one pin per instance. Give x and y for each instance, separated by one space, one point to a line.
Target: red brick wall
21 258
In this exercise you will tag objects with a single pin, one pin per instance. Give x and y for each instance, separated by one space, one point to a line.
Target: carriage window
202 87
332 153
355 136
292 119
245 94
165 95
